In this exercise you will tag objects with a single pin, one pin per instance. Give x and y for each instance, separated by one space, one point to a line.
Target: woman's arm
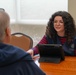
34 50
43 41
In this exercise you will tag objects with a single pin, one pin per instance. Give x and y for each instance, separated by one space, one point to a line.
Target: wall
72 8
35 31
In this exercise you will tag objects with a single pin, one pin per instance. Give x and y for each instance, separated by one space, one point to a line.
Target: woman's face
59 24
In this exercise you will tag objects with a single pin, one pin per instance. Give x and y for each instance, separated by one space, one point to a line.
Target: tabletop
66 67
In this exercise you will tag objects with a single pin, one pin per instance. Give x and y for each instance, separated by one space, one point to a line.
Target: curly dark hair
69 25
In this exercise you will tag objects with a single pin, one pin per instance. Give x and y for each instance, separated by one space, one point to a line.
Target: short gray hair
4 23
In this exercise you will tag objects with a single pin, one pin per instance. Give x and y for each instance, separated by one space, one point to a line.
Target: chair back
21 40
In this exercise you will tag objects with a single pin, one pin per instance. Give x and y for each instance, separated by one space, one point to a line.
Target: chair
21 40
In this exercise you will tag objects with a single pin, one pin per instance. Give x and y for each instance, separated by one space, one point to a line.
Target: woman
60 30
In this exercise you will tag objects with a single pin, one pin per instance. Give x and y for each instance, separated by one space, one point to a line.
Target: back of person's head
4 26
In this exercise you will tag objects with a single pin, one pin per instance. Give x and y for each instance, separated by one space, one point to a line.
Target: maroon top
45 41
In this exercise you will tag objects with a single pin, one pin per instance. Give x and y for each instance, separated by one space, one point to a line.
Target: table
66 67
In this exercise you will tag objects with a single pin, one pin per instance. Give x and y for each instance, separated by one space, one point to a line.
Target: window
9 6
32 11
39 11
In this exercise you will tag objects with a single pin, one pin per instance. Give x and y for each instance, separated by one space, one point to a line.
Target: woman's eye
58 21
61 21
55 21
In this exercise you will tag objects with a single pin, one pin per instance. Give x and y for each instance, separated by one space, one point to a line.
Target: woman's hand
35 57
31 52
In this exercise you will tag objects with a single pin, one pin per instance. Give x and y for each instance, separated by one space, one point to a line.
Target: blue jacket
15 61
69 50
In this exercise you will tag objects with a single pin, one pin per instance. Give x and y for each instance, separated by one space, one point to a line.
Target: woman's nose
58 23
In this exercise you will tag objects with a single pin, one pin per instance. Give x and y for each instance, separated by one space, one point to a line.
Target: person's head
61 23
5 31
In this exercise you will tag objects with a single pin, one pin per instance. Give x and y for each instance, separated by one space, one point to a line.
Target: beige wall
72 8
37 31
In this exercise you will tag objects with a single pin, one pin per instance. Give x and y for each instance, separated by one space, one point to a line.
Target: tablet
51 53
